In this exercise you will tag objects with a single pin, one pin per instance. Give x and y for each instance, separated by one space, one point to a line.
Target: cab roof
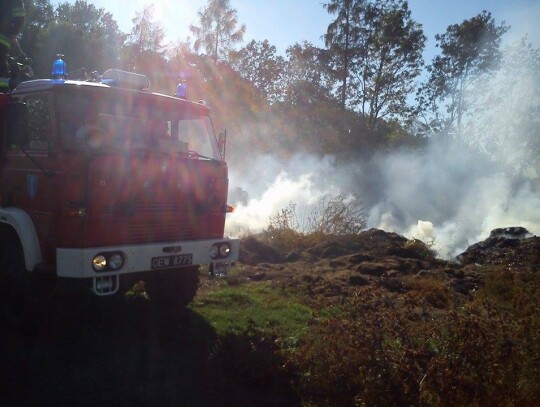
41 85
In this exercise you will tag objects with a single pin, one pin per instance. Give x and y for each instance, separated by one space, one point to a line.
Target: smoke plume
450 194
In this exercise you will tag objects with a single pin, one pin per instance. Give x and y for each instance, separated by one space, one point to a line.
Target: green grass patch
234 308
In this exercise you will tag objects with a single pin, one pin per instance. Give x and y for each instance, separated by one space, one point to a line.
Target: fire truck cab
107 184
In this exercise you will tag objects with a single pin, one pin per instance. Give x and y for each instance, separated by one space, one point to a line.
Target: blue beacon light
59 69
181 91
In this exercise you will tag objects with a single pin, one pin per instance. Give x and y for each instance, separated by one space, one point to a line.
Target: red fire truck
106 184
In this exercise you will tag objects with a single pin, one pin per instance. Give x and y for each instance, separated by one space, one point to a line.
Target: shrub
331 216
337 215
248 369
377 352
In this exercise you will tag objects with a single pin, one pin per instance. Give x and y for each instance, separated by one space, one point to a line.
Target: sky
285 22
445 196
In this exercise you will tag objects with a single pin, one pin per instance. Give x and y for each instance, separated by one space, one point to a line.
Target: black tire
14 279
173 289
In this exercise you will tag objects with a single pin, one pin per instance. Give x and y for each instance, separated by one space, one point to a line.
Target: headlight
99 262
224 250
220 250
116 261
214 251
108 261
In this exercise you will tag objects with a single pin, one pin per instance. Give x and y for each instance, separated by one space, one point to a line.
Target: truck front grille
159 232
142 208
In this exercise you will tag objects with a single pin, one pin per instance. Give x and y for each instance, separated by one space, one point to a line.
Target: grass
236 308
378 348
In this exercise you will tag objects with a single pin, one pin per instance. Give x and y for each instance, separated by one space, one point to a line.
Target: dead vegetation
385 323
411 329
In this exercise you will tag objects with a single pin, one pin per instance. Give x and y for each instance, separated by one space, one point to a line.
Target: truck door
31 169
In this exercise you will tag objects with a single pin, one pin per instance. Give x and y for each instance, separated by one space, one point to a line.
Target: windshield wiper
195 155
189 153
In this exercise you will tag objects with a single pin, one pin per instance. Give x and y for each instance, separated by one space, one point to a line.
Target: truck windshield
104 120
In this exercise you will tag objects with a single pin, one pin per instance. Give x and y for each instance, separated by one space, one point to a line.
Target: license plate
165 262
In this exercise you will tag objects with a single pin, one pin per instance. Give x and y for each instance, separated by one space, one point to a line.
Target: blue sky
285 22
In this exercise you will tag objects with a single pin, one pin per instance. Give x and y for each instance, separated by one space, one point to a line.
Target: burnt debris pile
339 265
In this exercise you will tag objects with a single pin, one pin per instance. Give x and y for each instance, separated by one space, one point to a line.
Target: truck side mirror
17 131
222 142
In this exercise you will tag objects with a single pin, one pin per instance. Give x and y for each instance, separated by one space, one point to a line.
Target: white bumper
77 263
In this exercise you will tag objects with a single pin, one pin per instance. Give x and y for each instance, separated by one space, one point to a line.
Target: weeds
481 353
386 349
427 345
331 216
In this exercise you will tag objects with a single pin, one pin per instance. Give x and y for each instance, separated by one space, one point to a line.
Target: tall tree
378 48
508 128
469 52
387 62
39 14
218 30
258 63
145 44
340 37
308 76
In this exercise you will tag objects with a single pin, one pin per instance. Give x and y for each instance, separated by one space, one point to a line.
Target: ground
131 353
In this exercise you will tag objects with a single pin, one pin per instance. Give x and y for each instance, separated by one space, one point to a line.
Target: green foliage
308 79
88 37
137 292
378 352
234 309
258 63
39 14
218 30
144 47
378 54
469 51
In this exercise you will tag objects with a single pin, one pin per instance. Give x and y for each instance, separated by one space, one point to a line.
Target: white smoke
447 194
272 185
451 197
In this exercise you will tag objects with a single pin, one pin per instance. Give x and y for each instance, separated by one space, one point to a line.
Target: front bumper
77 263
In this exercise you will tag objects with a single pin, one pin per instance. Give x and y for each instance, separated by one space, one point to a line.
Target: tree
145 49
508 130
39 14
88 37
469 52
377 49
258 63
388 60
218 30
308 77
340 36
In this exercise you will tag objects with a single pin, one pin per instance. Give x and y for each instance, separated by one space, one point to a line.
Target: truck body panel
105 176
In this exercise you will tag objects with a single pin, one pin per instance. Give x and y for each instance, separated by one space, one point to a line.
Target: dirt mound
253 251
512 246
373 242
365 246
339 265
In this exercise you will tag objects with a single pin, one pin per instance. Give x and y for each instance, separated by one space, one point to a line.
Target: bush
248 369
382 352
332 216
